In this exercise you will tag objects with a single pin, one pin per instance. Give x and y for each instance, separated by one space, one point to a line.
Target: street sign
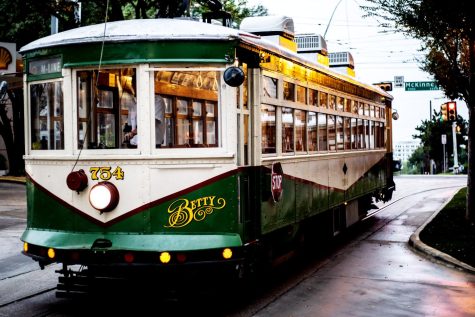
444 138
421 85
399 81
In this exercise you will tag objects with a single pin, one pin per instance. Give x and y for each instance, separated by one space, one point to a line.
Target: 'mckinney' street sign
420 85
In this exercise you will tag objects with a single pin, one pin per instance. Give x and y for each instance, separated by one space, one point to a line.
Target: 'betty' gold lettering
183 211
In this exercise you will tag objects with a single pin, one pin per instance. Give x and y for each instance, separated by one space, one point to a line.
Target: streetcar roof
175 29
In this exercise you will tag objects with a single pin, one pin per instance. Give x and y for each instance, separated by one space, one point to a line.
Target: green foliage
430 134
24 21
415 164
446 32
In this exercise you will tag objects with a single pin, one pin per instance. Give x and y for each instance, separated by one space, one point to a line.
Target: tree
447 32
430 134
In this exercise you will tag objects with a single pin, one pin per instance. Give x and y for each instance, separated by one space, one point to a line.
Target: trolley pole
454 138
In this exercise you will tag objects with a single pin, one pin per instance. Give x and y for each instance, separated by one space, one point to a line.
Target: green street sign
421 85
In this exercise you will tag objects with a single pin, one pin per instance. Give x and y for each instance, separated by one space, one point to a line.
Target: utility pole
454 138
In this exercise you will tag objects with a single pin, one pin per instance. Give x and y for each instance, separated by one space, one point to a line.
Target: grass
450 232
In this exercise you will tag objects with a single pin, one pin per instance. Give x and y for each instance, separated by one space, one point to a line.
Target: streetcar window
300 131
366 132
268 129
190 100
349 105
331 136
312 131
313 97
340 101
371 110
355 107
347 135
366 109
47 123
377 138
301 94
371 134
339 133
360 108
287 130
361 138
354 134
323 99
377 111
270 86
289 91
322 132
332 102
107 109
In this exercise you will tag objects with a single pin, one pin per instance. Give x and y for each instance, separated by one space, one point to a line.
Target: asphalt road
372 271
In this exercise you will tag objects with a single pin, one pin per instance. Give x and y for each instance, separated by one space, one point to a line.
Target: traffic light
443 112
386 86
452 111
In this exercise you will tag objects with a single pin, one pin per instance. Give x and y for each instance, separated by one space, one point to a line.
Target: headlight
104 196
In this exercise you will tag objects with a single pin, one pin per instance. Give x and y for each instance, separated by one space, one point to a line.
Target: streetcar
173 145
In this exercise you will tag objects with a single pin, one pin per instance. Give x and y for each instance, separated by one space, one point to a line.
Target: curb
436 255
13 179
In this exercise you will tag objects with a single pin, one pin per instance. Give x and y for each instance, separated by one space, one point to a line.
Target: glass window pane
107 113
313 97
354 134
300 131
289 91
190 99
287 130
268 129
339 133
340 101
323 99
312 131
322 132
331 132
269 86
347 137
301 94
332 102
47 123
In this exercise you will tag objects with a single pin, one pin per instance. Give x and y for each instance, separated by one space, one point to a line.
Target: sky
379 55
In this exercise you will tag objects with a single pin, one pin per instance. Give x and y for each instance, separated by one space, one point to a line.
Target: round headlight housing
104 196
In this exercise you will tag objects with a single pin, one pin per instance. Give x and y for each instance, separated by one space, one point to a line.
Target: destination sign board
421 85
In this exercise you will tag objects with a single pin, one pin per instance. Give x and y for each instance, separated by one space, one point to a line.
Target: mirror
233 76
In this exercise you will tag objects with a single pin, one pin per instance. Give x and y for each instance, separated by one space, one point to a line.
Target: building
404 149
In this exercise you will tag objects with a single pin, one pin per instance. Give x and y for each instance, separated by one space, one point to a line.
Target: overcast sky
378 55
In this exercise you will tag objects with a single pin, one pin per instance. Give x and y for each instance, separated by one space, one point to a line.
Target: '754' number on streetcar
106 173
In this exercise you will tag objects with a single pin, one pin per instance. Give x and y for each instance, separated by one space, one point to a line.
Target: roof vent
312 47
276 29
342 62
311 43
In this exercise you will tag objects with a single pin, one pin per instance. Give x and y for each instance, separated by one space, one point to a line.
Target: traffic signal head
452 110
386 86
443 112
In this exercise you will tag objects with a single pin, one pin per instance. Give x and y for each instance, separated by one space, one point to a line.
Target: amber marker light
25 246
227 253
165 257
104 196
51 253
